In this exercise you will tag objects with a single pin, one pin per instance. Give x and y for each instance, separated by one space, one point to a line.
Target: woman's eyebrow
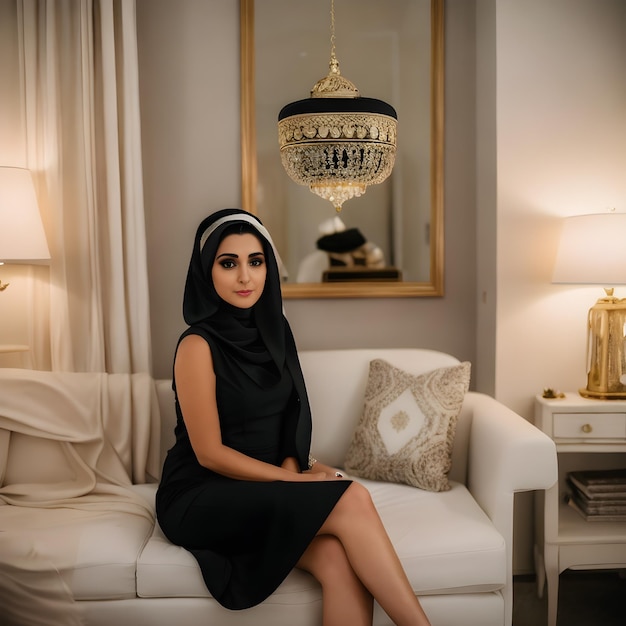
236 256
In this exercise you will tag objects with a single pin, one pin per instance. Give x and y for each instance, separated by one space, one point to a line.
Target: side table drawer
590 425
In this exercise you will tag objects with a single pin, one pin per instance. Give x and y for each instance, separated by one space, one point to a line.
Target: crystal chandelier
337 142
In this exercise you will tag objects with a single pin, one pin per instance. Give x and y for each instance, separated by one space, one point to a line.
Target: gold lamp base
606 377
599 395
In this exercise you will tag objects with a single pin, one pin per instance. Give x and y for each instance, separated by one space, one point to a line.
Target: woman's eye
228 264
256 262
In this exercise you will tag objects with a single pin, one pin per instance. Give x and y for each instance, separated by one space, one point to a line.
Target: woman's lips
245 292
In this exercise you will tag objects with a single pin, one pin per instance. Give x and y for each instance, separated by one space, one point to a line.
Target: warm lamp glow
22 238
592 251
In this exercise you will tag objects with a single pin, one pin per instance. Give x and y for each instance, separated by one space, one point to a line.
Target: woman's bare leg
345 599
357 525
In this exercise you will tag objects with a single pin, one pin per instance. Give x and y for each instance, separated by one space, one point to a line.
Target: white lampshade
22 238
592 250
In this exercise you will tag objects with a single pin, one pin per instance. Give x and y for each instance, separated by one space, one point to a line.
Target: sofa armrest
506 454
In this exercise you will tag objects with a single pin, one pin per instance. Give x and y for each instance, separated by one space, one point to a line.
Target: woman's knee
354 505
357 499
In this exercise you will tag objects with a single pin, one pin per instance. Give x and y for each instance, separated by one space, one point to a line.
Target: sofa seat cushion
446 543
168 571
95 552
165 570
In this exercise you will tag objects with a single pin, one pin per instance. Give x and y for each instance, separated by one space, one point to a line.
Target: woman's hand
332 473
310 476
318 472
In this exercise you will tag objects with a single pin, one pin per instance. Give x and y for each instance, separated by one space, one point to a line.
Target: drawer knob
587 428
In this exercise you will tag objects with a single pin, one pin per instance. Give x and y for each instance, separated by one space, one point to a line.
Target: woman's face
239 270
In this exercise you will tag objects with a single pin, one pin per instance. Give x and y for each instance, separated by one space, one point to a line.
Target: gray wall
189 73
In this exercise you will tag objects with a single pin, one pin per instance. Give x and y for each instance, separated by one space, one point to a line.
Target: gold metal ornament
606 376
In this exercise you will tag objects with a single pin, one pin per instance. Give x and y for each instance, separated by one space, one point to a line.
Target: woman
239 489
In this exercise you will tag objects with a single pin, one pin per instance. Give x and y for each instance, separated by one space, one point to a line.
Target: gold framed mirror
410 225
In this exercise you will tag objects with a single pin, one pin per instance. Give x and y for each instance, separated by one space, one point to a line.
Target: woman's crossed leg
353 559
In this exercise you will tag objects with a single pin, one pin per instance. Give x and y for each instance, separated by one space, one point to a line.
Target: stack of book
598 495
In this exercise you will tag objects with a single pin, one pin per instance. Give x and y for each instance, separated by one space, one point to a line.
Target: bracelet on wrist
312 461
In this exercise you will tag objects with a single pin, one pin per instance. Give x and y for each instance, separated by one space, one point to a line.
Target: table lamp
22 238
592 251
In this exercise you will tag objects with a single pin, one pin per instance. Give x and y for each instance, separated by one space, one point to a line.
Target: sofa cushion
95 552
165 570
445 541
336 382
406 431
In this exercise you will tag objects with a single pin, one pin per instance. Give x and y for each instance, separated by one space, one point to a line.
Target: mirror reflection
388 241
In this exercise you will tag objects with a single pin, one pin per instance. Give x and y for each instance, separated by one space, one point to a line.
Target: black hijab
258 340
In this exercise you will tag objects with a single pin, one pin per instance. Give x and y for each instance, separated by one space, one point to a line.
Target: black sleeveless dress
245 535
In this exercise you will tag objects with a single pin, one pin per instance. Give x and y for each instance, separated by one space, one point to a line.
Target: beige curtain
81 114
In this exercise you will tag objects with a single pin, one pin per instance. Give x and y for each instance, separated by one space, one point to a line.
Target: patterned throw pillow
407 428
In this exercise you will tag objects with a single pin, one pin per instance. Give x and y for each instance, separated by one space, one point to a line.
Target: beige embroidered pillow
407 428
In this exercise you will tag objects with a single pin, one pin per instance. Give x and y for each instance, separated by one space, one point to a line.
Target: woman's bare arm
196 390
291 464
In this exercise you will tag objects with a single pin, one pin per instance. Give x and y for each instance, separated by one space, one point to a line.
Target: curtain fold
81 106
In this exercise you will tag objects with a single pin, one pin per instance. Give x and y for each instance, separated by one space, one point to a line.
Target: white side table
589 434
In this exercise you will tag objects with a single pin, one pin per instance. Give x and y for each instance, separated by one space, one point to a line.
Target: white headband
243 217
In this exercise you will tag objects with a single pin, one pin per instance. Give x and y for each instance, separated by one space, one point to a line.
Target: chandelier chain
333 58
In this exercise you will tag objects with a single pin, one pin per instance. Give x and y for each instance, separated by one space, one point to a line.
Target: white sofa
456 545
